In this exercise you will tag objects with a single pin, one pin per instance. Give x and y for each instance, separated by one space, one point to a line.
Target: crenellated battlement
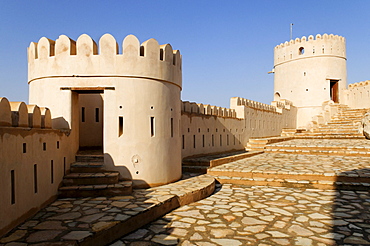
68 58
206 109
18 114
359 84
254 104
320 45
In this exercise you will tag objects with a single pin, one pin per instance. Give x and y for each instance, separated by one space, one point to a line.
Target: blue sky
227 46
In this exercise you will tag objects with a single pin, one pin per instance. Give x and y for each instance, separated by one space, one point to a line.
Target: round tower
127 104
310 71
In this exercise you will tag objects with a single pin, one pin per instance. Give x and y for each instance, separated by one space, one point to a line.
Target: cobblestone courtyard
259 215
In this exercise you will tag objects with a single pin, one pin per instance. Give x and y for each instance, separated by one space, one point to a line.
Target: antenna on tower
291 31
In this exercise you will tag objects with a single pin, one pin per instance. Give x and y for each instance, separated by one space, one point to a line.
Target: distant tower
127 104
309 72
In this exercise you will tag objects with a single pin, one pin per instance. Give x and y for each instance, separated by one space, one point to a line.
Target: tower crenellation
84 57
320 45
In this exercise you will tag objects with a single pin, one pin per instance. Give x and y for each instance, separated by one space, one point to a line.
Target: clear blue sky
227 46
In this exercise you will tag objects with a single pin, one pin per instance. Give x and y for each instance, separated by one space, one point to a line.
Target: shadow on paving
351 208
161 228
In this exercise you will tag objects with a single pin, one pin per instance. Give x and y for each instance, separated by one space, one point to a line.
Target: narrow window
141 50
24 147
183 142
220 140
234 139
120 126
83 114
64 166
161 54
152 126
203 140
35 178
171 127
57 144
227 139
213 140
52 171
12 186
194 141
44 146
96 114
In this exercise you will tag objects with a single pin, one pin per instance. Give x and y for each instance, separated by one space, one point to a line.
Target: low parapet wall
206 109
33 161
358 95
210 129
18 114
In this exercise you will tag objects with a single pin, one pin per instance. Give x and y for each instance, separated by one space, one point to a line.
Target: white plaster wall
148 160
305 78
358 95
91 129
143 76
27 202
252 119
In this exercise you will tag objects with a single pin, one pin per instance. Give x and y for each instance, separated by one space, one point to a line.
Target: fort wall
358 95
33 161
209 129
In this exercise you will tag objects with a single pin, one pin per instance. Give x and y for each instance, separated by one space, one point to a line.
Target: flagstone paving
260 215
100 220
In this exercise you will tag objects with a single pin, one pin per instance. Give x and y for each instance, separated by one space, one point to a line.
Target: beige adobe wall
304 77
27 144
91 119
210 129
141 89
358 95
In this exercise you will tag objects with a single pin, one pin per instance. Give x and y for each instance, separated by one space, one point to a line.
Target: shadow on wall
351 208
60 123
110 165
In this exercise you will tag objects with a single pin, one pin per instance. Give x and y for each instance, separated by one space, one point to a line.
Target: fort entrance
334 91
90 108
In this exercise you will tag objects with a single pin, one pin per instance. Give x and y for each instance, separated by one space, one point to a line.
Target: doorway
90 105
334 90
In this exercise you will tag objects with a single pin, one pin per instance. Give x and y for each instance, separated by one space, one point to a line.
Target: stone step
211 161
342 123
330 136
119 189
319 151
336 130
194 169
89 158
339 126
354 184
87 167
90 178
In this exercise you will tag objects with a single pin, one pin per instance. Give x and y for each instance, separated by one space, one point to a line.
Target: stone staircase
346 124
88 178
201 164
333 156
